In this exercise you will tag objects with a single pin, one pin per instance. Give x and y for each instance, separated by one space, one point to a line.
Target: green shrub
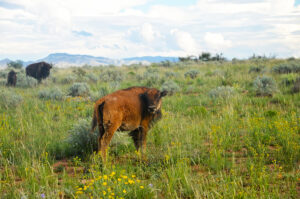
295 66
79 89
191 73
290 67
171 74
288 79
68 79
111 75
190 89
170 86
151 77
265 86
51 94
15 64
9 99
296 87
114 86
81 141
92 77
24 81
224 92
52 79
282 68
3 73
3 82
79 72
255 69
101 93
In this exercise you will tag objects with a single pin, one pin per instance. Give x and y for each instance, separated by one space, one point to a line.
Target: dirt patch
68 167
198 169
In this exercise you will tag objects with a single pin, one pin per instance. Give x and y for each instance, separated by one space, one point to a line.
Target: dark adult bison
133 109
39 71
11 78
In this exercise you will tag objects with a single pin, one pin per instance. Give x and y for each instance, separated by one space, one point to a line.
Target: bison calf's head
152 100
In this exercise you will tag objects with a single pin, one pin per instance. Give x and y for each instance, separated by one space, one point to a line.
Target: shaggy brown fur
132 109
39 71
11 78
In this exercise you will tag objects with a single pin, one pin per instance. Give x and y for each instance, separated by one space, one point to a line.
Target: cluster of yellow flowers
108 186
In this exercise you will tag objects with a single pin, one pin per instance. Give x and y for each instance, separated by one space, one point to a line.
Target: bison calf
11 78
132 109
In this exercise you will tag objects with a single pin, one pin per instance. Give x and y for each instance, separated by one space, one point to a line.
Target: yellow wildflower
104 183
124 191
142 187
130 181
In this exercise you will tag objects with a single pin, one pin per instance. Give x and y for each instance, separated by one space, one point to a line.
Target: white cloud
120 28
147 32
185 41
216 41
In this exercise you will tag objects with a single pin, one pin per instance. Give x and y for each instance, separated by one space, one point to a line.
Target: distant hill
66 60
4 62
151 59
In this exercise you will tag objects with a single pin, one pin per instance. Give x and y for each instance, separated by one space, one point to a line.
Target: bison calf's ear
164 93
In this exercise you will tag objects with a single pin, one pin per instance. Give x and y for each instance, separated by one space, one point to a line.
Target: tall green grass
245 146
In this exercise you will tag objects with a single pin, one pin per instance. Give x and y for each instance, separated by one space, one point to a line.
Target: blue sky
128 28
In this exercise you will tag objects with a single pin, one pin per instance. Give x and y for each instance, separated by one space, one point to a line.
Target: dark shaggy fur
11 78
133 109
39 71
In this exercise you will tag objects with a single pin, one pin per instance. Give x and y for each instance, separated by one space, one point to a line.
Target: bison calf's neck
133 109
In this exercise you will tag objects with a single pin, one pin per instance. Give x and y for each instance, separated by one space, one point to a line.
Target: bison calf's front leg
135 135
139 138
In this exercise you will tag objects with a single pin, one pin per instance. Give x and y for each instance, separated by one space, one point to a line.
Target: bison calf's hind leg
101 133
106 138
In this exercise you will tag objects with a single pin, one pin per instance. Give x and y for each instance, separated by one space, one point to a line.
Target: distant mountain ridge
66 60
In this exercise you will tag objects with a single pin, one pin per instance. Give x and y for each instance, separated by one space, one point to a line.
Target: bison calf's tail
97 116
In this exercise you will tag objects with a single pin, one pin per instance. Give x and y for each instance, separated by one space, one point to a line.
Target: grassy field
222 135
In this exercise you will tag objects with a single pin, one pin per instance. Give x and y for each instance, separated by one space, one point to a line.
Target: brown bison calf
132 109
11 78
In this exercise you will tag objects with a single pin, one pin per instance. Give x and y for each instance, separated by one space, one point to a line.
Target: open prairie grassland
229 130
